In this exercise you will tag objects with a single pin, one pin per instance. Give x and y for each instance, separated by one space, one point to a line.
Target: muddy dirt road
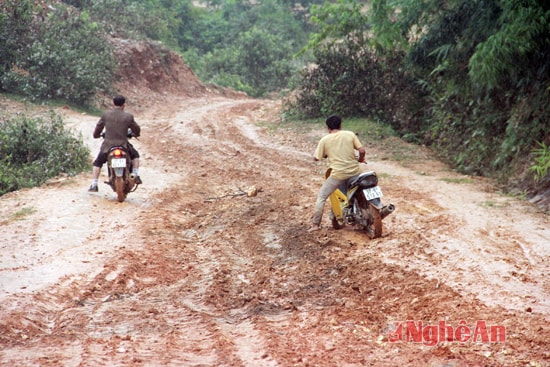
191 271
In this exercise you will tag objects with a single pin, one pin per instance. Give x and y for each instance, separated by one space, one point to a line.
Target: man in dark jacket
116 123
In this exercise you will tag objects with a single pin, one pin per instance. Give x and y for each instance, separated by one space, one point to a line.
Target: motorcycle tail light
117 152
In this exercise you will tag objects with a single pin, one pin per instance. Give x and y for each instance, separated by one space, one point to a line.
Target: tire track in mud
214 239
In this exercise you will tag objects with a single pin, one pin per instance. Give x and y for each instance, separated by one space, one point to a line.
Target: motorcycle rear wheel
374 228
119 188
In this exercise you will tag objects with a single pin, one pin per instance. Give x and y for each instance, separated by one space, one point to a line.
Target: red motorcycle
119 168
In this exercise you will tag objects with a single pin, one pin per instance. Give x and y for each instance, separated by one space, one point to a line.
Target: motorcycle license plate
118 162
372 193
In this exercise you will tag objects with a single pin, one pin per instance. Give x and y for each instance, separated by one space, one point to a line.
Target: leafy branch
542 159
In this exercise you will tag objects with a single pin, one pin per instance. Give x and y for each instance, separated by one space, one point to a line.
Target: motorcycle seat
370 179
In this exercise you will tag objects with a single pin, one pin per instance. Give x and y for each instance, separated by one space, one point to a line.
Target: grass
494 204
464 180
90 110
297 125
46 104
21 214
370 132
18 215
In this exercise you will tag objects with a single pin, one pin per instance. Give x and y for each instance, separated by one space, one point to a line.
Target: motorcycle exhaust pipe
132 179
387 210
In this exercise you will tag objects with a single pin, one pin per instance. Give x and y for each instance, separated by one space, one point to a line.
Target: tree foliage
52 53
486 66
152 19
520 37
257 60
349 77
542 161
481 71
15 31
249 46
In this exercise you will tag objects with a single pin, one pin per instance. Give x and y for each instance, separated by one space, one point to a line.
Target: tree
244 45
351 74
16 17
38 44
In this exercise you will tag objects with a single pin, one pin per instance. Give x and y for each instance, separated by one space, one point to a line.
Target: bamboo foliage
482 66
522 30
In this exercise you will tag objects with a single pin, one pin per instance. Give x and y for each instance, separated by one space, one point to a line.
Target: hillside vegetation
469 78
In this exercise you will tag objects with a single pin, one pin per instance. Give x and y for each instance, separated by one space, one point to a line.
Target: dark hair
119 100
334 122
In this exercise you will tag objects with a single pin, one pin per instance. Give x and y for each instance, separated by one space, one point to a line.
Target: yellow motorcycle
358 202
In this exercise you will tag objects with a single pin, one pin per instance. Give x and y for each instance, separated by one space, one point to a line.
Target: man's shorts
102 157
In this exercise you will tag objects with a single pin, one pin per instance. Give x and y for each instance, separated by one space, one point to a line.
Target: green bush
352 81
32 150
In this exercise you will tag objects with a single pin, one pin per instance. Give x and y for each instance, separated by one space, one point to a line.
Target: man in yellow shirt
339 148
